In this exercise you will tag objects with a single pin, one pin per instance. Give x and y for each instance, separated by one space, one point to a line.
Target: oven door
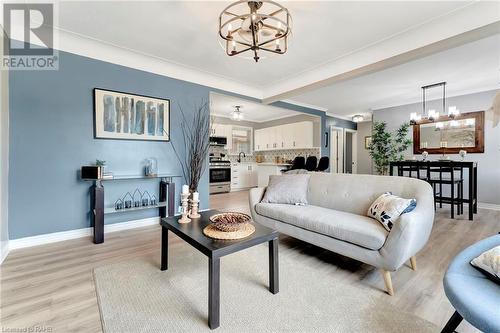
220 175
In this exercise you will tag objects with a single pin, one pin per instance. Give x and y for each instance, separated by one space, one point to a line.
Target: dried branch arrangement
195 143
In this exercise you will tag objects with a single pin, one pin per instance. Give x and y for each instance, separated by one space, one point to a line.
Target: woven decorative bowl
230 221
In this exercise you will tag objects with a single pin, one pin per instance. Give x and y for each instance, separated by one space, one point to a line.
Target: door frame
337 149
354 149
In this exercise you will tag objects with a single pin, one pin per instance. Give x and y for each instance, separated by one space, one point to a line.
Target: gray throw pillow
287 189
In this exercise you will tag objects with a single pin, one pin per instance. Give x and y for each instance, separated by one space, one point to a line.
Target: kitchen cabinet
289 136
243 175
224 131
264 171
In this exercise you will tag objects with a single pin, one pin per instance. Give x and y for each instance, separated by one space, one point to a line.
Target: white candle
196 196
185 189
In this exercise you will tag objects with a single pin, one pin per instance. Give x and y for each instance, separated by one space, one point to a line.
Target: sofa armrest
254 197
411 232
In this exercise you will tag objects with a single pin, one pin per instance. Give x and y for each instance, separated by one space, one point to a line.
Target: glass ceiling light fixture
357 118
255 26
432 115
237 114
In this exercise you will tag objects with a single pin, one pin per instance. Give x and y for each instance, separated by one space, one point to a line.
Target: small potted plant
100 164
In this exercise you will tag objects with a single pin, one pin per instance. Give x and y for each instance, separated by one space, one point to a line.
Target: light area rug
135 296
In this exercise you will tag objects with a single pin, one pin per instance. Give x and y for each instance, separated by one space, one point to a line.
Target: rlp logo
29 29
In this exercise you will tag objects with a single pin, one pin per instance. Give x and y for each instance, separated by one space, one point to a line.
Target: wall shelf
112 210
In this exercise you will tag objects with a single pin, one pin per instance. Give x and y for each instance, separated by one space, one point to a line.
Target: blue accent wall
338 122
51 136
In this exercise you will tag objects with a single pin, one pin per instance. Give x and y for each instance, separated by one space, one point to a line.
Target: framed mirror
447 135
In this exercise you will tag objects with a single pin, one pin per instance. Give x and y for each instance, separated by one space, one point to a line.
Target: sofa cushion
355 229
287 189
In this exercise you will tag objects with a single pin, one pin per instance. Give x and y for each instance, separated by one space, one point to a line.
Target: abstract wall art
125 116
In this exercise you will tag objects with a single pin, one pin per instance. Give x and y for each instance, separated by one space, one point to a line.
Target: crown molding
96 49
305 105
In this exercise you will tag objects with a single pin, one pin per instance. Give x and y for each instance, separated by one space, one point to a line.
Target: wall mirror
447 135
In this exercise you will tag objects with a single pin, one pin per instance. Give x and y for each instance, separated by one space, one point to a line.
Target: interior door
337 150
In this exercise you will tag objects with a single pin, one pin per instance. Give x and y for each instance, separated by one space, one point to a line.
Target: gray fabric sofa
335 218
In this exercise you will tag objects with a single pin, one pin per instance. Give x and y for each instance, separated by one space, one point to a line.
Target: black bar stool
456 198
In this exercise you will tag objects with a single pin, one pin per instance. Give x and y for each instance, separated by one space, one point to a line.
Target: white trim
4 250
305 105
484 205
78 233
219 115
338 116
100 50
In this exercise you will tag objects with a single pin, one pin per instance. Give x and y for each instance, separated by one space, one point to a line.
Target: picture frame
368 141
125 116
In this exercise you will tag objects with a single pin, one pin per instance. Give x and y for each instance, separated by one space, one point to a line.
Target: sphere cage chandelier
255 26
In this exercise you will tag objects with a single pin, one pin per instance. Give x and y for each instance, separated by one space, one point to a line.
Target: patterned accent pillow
387 208
489 262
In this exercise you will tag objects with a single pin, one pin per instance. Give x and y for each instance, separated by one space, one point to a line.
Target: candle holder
185 211
194 209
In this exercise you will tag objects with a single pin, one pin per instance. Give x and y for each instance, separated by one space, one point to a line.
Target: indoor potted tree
386 146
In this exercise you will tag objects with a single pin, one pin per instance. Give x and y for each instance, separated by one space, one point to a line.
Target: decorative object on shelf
185 208
129 202
230 221
462 154
195 202
368 142
119 115
151 168
431 114
119 204
146 199
424 155
254 26
91 172
195 132
137 195
386 147
357 118
153 200
211 231
237 114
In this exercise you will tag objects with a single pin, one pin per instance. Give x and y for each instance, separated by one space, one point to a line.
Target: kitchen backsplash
287 154
269 156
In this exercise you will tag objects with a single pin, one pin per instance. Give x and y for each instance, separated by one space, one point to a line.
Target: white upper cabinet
290 136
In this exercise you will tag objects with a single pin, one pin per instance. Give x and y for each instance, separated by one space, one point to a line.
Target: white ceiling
223 106
185 32
330 39
469 68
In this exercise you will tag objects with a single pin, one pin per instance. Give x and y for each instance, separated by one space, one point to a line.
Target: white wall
4 158
363 156
488 162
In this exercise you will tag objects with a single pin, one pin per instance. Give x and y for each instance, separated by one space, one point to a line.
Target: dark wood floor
51 286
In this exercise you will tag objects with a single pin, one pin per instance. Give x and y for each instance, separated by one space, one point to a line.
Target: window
242 140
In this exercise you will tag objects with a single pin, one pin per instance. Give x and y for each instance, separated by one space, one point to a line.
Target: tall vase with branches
195 143
386 146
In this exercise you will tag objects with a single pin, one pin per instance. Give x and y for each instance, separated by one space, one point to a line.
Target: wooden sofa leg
413 262
388 282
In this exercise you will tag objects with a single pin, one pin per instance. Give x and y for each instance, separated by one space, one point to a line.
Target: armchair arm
411 232
254 197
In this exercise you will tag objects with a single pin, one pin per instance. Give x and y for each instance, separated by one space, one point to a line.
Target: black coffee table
214 249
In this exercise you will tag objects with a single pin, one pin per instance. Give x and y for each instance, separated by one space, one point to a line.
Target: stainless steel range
220 175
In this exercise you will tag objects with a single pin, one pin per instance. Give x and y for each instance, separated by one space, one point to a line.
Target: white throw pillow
287 189
387 208
489 262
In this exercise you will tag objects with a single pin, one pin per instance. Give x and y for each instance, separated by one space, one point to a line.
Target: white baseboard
4 251
78 233
488 206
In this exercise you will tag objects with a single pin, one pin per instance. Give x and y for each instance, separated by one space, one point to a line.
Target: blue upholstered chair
474 296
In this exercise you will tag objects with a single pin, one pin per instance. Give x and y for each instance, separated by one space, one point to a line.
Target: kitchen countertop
276 164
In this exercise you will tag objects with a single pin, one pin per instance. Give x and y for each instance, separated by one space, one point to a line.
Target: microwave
218 141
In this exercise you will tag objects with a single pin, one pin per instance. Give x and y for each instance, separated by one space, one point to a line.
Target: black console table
165 205
471 168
